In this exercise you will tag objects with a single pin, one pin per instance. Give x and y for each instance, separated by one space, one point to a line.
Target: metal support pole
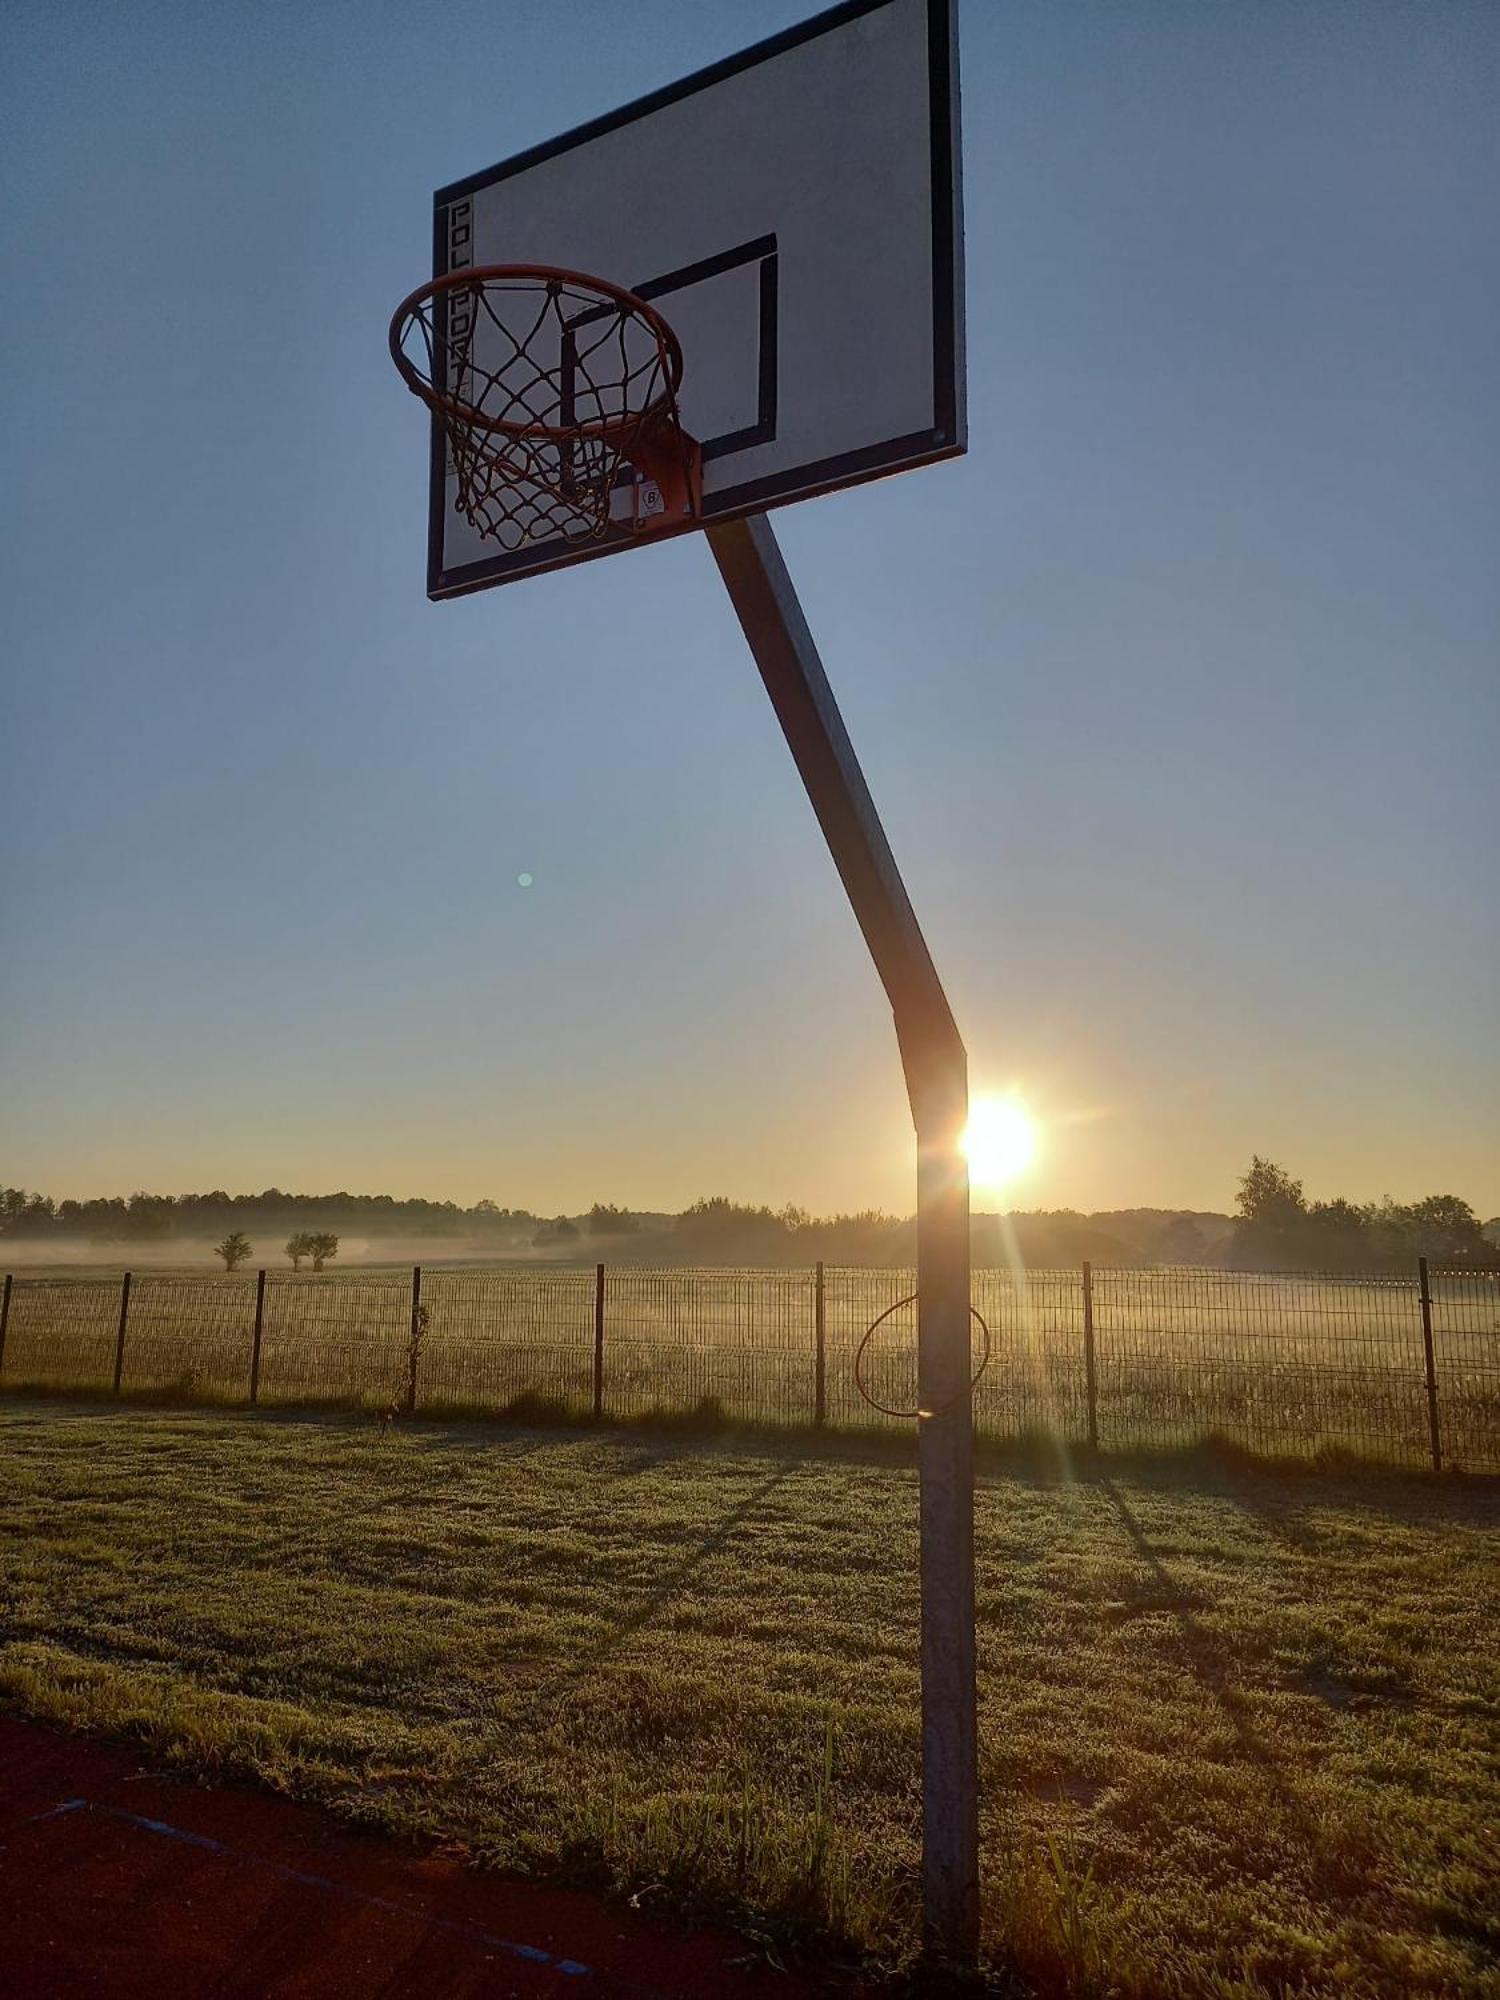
820 1352
598 1343
4 1317
260 1320
414 1346
120 1334
1434 1435
1090 1376
932 1056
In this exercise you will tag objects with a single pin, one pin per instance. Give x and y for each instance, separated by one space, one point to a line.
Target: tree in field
234 1249
1269 1196
298 1247
1445 1226
321 1245
1272 1218
1338 1236
1278 1229
1441 1227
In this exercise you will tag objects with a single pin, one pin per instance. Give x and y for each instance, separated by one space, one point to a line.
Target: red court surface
117 1882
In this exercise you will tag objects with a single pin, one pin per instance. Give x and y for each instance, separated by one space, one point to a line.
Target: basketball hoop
557 394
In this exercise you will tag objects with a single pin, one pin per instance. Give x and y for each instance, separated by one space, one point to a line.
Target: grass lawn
1238 1729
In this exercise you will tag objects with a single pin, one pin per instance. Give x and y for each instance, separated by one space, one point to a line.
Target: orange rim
408 313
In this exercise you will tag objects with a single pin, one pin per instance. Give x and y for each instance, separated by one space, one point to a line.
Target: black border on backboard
946 439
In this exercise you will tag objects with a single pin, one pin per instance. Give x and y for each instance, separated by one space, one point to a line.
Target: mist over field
1276 1226
178 1253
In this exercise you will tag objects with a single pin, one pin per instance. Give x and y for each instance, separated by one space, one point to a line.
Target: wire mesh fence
335 1339
61 1332
189 1337
740 1343
1465 1314
1282 1363
1032 1381
507 1339
1400 1368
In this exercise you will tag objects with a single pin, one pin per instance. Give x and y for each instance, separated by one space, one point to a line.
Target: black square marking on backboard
761 249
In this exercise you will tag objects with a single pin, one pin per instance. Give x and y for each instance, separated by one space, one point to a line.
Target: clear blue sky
1179 694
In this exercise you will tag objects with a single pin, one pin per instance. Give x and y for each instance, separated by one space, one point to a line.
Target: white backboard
793 212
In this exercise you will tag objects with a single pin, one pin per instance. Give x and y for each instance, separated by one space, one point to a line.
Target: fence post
1432 1403
4 1317
120 1336
598 1343
820 1337
416 1339
260 1320
1088 1355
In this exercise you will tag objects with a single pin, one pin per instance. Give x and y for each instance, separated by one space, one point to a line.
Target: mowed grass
1238 1730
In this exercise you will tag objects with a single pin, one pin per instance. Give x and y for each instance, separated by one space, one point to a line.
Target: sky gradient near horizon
1180 694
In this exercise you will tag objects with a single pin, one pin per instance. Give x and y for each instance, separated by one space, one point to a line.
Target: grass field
1279 1364
1238 1733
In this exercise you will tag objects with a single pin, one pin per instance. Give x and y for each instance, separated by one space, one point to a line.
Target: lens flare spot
523 881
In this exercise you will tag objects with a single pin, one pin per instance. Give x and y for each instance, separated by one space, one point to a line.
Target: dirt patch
115 1880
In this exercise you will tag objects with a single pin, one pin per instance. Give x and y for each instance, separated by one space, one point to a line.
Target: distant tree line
148 1218
1274 1227
718 1231
1278 1228
715 1230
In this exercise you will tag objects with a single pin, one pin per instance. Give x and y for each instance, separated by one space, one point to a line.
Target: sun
999 1141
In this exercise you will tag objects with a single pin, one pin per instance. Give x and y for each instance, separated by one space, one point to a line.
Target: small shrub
234 1249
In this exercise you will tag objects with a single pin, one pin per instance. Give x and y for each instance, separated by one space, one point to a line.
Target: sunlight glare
999 1141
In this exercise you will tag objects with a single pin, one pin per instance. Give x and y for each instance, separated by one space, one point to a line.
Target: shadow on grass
671 1587
1206 1656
